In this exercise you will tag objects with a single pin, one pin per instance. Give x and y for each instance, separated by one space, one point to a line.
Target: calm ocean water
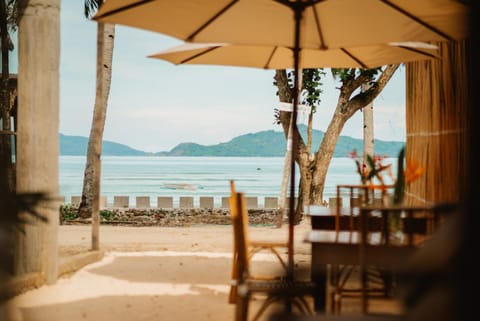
147 176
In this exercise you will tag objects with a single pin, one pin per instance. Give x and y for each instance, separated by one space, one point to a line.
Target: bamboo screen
436 121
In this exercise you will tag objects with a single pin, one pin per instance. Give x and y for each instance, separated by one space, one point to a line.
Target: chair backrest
359 196
240 234
238 213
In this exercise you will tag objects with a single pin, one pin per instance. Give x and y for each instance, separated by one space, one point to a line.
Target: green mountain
77 146
261 144
273 143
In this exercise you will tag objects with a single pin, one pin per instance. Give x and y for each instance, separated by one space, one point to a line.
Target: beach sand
151 273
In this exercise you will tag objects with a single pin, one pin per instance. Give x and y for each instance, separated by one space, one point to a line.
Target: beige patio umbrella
296 24
323 24
275 57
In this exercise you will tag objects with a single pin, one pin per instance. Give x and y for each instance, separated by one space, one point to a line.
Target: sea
208 176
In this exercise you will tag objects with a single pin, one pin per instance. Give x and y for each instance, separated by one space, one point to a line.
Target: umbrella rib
354 58
270 57
427 54
319 29
421 22
206 24
126 7
198 54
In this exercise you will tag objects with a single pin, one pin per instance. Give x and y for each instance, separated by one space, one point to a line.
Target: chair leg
302 305
269 300
232 296
299 302
241 308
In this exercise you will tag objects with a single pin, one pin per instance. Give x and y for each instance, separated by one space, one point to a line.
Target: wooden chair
245 286
251 247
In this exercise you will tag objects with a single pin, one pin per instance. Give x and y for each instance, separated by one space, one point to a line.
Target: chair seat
280 287
268 244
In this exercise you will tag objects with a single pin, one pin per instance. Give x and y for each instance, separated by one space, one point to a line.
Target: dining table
356 236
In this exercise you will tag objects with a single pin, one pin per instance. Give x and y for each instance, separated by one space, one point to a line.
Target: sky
155 105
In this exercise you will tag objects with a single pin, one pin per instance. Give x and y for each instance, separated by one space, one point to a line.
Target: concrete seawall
145 202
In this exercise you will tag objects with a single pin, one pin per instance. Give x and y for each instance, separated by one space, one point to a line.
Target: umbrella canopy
324 23
274 57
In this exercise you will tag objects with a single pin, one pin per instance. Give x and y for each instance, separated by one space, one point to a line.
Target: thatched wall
436 121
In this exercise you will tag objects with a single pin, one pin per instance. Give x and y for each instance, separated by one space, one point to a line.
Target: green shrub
106 214
68 212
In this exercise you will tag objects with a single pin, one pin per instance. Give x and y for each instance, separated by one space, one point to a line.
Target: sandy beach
150 273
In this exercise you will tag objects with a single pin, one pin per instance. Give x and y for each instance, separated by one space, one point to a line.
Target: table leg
319 277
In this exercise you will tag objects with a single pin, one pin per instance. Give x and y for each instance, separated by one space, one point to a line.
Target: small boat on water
190 187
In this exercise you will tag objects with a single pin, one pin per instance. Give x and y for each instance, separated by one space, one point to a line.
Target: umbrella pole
298 10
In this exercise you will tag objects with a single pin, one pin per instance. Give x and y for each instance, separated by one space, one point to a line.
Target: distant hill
261 144
273 143
77 146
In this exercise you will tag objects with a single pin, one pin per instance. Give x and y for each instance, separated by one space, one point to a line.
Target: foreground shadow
191 269
206 305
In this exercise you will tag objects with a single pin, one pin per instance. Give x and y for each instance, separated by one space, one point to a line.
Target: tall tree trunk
38 144
90 204
5 136
285 93
91 181
309 131
368 137
285 96
324 156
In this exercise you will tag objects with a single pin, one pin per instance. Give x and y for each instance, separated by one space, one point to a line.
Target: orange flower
382 187
413 171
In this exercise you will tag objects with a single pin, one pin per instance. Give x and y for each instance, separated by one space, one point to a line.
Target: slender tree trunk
91 180
324 156
309 131
368 136
5 137
38 118
285 96
302 154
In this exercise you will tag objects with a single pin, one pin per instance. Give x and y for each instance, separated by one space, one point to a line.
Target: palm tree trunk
91 192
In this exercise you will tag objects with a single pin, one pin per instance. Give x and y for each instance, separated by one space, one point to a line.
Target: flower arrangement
407 172
374 168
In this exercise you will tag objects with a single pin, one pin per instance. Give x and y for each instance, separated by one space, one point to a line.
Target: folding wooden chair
251 247
245 286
